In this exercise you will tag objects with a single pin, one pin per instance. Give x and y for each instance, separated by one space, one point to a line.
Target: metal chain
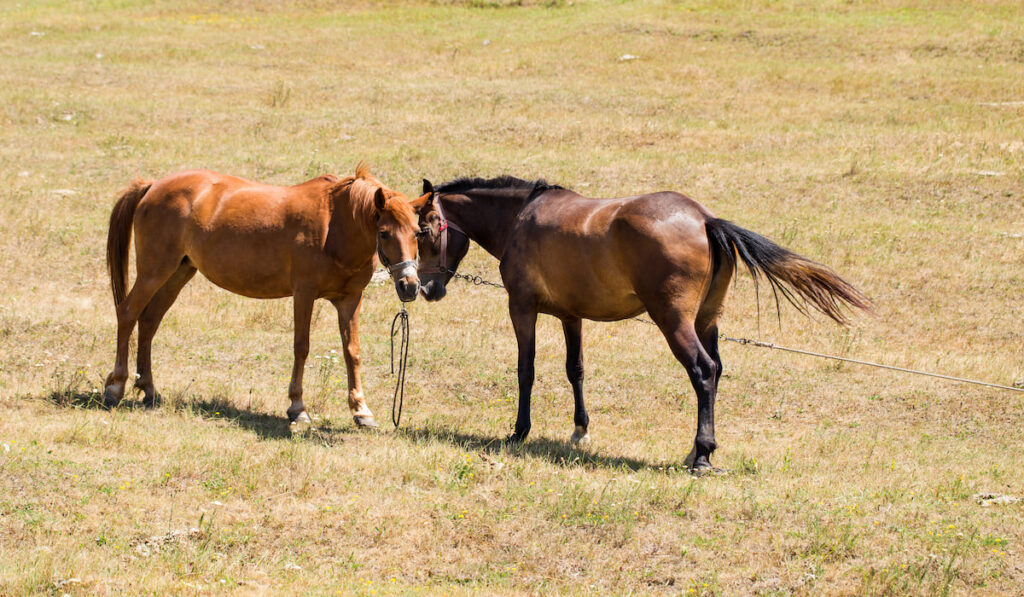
477 280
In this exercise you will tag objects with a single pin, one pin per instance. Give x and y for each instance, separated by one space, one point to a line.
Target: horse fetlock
297 407
705 445
519 435
357 404
145 385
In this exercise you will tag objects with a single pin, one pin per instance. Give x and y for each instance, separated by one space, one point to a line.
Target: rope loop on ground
400 324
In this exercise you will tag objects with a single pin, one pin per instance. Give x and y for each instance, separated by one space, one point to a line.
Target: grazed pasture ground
884 139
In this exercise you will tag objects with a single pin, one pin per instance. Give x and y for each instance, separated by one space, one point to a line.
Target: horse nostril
406 288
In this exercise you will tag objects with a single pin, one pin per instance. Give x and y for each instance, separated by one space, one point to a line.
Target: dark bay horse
314 240
578 258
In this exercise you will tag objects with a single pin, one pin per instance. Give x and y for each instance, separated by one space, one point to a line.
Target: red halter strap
443 229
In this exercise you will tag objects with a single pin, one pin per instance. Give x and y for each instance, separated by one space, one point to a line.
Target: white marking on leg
580 436
357 404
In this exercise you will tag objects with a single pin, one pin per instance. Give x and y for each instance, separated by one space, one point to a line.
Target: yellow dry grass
881 138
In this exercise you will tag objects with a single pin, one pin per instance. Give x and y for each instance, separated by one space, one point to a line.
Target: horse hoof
515 440
580 438
299 418
700 471
365 421
111 399
702 467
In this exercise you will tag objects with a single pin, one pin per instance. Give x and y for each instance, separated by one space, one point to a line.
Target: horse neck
487 216
351 230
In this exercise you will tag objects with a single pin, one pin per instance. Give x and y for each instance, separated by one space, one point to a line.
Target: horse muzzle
407 281
433 290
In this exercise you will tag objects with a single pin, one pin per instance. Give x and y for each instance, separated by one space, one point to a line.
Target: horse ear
427 187
419 202
379 200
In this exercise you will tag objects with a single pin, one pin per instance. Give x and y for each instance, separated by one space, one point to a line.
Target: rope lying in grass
477 280
774 346
399 324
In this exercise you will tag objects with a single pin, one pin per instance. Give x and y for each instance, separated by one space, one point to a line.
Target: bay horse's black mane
461 185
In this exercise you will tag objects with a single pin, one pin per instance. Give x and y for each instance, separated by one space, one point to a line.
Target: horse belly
579 290
252 265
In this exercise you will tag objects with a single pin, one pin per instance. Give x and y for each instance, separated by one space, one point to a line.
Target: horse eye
384 234
422 232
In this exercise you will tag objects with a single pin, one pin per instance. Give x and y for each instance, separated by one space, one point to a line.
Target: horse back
250 238
593 257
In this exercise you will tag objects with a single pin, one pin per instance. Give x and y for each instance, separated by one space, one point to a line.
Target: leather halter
443 229
396 267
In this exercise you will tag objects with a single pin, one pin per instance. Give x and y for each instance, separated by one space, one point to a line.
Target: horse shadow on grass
560 453
273 427
265 426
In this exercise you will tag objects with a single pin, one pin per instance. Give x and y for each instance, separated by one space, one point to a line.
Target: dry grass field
885 139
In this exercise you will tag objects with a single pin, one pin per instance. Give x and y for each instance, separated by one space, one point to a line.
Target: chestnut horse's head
396 239
442 245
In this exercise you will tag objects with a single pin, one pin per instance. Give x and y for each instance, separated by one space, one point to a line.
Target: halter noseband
396 267
443 228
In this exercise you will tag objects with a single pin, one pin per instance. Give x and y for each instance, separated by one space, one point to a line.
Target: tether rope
477 280
401 320
774 346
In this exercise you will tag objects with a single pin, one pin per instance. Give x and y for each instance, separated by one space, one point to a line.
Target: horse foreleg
149 321
348 321
524 320
573 330
303 302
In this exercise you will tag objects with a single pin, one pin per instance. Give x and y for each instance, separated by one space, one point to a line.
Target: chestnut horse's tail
800 280
119 237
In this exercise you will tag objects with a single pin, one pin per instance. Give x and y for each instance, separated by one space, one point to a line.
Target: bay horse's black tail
119 237
802 281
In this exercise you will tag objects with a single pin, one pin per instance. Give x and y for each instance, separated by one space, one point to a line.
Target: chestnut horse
314 240
578 258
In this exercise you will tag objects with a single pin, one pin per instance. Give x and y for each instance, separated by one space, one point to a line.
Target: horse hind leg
574 372
147 284
702 370
706 328
150 320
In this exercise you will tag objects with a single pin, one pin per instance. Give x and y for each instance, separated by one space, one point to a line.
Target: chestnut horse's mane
360 189
460 185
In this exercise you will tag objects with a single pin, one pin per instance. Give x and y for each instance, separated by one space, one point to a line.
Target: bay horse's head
397 249
442 245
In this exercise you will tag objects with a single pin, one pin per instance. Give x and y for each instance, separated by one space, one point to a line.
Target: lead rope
401 320
477 280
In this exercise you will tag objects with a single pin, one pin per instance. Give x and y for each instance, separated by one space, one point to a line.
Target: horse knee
352 354
574 371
